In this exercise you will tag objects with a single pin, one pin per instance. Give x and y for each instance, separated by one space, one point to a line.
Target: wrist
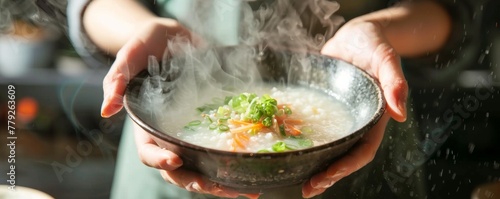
413 28
155 34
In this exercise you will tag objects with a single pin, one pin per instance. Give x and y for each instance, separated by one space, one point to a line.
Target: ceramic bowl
255 172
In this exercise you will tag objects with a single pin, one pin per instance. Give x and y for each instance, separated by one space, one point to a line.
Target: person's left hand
169 163
362 44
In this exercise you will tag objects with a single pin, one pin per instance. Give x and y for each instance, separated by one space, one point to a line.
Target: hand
132 58
168 163
363 44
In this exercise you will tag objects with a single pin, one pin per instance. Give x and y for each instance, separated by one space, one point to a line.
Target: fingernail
174 162
329 180
226 193
104 105
193 186
324 184
251 196
402 104
110 106
313 193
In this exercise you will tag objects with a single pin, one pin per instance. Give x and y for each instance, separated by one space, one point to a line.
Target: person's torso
219 20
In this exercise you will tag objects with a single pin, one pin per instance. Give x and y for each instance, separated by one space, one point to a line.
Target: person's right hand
362 44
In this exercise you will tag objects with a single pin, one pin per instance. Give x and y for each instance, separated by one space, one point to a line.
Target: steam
41 13
296 25
191 76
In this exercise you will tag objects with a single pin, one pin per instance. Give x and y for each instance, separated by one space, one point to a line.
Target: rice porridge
267 119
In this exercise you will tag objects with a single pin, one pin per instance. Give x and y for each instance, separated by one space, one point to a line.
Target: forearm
414 28
111 23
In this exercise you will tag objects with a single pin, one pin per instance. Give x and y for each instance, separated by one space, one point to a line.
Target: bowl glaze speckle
256 172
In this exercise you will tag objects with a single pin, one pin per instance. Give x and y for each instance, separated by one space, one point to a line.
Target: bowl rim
381 108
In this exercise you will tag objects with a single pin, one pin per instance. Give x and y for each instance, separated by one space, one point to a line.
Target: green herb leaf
288 111
212 126
282 130
279 146
223 127
194 123
305 143
267 122
306 130
263 151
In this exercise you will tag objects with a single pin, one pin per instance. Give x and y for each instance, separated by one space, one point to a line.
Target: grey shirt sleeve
88 51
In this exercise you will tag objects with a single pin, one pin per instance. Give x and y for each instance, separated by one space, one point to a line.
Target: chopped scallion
194 123
223 127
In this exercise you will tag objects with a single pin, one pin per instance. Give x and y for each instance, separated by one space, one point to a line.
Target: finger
251 196
130 60
359 156
309 192
387 68
152 155
364 47
194 182
385 65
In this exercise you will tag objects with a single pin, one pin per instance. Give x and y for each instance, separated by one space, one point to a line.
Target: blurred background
64 147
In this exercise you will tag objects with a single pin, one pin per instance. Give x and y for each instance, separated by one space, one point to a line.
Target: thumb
387 68
385 65
153 155
130 60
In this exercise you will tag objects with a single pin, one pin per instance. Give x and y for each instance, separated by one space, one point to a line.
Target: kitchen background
64 148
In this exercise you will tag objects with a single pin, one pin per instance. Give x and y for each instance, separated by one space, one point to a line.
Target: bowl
255 172
21 192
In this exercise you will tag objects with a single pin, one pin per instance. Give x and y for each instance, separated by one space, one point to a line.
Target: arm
110 26
413 28
131 33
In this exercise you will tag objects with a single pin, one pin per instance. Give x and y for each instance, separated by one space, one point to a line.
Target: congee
267 119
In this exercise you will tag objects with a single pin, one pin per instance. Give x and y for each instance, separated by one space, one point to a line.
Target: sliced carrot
247 128
244 137
238 142
291 130
292 121
238 122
